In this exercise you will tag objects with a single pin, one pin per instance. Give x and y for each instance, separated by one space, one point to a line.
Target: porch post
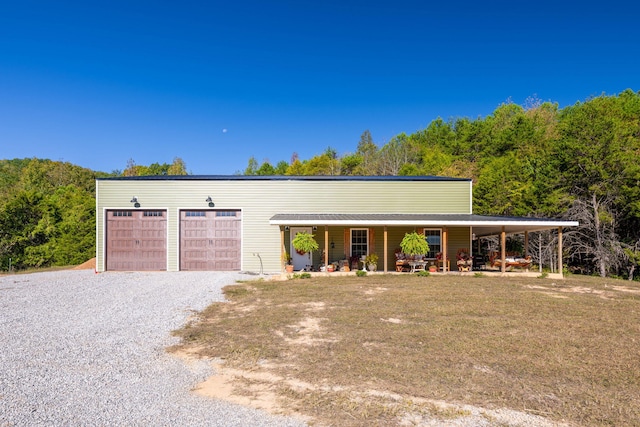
283 261
526 244
445 248
560 250
503 250
385 249
326 247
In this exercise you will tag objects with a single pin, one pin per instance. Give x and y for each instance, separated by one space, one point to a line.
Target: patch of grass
361 273
566 349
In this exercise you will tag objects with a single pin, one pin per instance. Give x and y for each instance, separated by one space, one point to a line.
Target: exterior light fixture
211 204
135 202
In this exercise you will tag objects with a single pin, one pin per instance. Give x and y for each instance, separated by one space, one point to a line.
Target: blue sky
212 82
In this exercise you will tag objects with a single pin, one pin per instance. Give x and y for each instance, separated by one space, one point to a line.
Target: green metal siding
259 200
459 238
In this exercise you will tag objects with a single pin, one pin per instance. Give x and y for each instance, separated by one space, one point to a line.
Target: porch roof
482 225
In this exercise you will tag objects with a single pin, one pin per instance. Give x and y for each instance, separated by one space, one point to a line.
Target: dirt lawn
439 350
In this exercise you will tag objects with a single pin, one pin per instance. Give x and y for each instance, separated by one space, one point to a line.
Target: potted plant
304 242
371 261
287 262
414 244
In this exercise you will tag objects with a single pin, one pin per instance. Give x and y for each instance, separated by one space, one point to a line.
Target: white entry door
300 261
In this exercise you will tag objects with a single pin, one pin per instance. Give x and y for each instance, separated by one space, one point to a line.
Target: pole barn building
246 223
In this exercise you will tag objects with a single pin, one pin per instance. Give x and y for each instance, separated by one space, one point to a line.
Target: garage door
210 240
136 240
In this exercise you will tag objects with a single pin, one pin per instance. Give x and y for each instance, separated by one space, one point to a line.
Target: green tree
281 167
265 169
177 167
349 164
503 187
367 153
325 164
296 168
24 222
252 167
73 241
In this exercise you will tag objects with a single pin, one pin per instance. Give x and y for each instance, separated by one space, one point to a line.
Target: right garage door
210 240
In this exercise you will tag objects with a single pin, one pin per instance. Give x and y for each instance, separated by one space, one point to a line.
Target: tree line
580 162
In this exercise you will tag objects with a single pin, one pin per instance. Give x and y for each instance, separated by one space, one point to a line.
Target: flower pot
372 267
330 268
433 268
289 268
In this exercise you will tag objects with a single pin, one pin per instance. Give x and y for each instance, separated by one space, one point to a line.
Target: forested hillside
581 162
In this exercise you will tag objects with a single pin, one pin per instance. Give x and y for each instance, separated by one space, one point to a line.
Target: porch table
417 265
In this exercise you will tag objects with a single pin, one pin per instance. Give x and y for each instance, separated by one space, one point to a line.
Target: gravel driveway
79 348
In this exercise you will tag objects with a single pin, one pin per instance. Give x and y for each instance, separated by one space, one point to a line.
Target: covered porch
345 237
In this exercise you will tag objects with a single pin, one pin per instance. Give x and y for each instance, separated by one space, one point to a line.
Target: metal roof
482 225
280 178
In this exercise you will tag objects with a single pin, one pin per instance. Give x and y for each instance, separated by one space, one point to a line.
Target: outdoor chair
464 260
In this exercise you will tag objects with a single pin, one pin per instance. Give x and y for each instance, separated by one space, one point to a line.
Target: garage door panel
226 265
226 243
192 244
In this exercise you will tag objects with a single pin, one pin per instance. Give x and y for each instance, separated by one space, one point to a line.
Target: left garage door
136 240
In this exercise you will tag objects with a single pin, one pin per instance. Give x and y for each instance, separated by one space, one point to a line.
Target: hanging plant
414 244
304 242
